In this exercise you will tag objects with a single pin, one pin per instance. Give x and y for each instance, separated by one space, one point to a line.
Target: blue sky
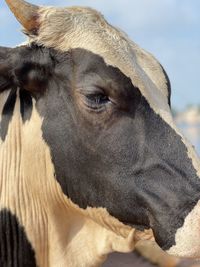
170 29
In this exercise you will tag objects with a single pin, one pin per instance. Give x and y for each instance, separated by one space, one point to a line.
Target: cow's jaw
60 233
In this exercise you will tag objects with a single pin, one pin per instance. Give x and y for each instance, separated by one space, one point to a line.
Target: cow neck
61 233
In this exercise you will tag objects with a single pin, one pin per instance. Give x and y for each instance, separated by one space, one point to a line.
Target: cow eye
97 100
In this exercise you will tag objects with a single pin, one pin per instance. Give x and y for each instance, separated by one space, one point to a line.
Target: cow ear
6 80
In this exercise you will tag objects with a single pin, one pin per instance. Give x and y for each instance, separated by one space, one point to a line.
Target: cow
89 152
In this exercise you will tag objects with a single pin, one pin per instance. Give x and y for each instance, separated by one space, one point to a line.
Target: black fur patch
5 68
26 105
15 249
7 113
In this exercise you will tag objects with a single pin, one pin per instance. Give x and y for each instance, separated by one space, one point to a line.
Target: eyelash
97 100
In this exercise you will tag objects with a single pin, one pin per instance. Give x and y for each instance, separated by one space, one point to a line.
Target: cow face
104 105
108 146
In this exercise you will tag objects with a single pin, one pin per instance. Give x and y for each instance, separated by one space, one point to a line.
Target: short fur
88 144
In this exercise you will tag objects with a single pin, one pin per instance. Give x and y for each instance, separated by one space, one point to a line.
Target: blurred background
169 29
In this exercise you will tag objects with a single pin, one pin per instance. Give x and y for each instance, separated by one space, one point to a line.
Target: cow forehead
66 28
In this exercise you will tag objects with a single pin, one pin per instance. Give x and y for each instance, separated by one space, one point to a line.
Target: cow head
105 110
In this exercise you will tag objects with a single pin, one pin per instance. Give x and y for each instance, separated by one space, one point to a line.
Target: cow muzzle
187 241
